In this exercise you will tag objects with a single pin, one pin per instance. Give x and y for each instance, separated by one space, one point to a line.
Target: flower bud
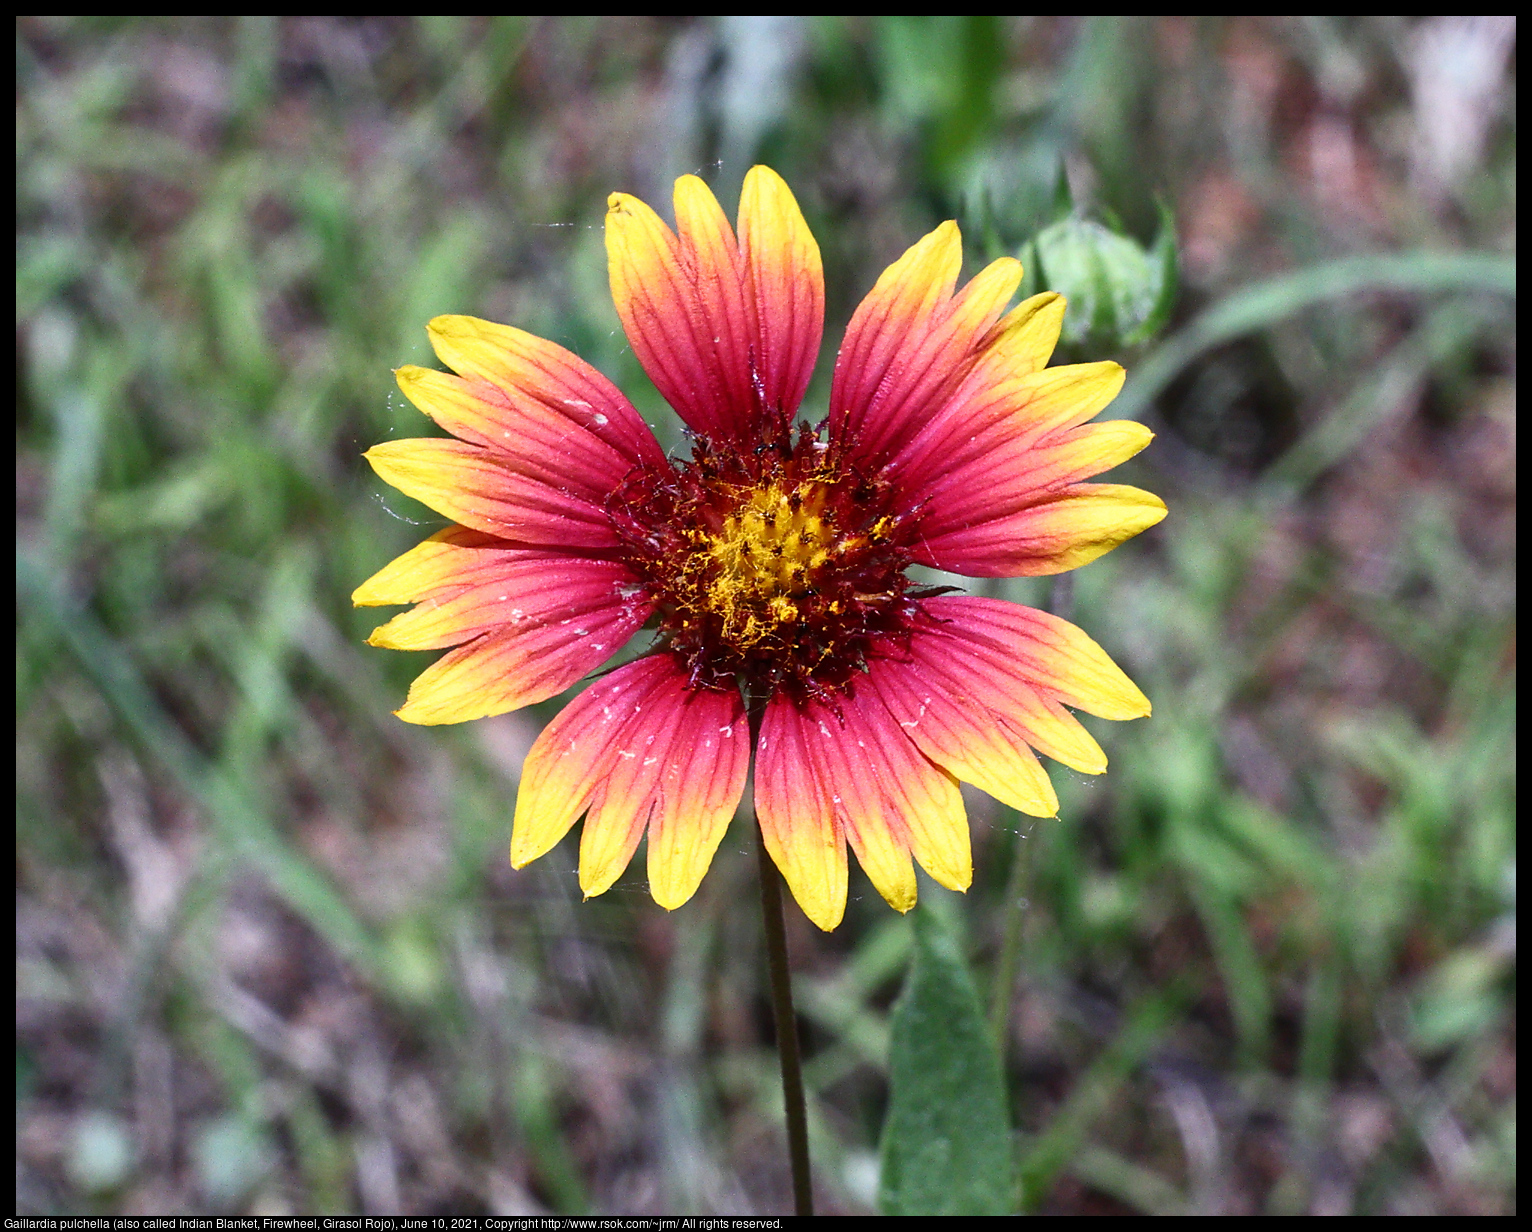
1119 295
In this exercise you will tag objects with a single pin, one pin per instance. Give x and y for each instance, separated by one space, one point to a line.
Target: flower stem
787 1032
782 1012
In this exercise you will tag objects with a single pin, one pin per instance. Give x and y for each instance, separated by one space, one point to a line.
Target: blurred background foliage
270 955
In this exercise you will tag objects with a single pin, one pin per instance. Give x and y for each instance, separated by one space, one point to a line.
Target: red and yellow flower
772 562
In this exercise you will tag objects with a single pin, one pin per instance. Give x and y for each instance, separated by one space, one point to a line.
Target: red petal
479 489
1013 475
642 748
444 563
799 823
959 733
571 758
537 376
911 343
785 279
726 335
1062 530
525 436
894 796
1018 666
826 775
1001 410
1058 658
513 589
535 632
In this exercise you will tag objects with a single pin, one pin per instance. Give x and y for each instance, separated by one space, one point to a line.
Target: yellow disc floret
770 565
764 560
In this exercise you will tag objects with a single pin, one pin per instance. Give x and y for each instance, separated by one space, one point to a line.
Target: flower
772 561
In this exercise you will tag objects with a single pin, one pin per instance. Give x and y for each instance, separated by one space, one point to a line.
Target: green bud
1119 295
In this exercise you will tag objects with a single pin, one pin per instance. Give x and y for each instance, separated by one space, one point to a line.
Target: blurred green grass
270 956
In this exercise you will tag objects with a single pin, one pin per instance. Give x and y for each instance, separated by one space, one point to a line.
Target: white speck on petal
601 420
649 761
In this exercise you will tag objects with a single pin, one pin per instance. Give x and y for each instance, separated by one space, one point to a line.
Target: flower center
776 567
762 565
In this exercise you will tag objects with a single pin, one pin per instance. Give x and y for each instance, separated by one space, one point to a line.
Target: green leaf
947 1139
1274 299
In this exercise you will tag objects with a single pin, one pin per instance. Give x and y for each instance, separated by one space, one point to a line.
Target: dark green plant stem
782 1012
787 1032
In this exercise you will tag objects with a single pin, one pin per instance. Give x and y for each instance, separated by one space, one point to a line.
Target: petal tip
451 325
669 897
378 458
826 917
762 172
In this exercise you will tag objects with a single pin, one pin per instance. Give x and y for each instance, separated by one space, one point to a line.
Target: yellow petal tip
451 325
669 899
825 915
